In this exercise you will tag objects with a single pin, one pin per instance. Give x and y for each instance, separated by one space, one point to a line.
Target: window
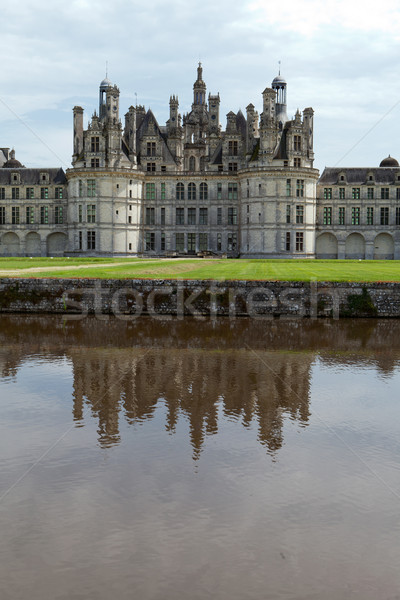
191 240
355 215
192 163
192 191
30 215
58 215
95 163
220 168
59 193
328 193
150 216
397 194
370 193
180 216
232 148
327 215
15 215
15 193
341 215
203 242
219 216
80 240
2 193
288 187
297 163
91 213
300 188
30 193
151 149
2 215
370 215
219 242
180 191
80 188
44 193
287 241
397 215
232 166
180 242
91 240
163 168
232 215
162 219
150 241
297 143
232 242
95 144
299 213
203 191
162 239
91 188
288 213
355 193
44 215
129 219
80 213
150 191
384 215
232 191
191 216
203 216
342 193
384 193
219 191
162 191
151 166
299 241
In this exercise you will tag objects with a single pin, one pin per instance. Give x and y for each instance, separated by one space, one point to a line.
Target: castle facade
191 187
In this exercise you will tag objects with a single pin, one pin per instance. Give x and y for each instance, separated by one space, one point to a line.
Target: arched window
180 191
203 191
192 191
192 163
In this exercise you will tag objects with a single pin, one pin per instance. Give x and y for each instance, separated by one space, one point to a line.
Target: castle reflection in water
253 372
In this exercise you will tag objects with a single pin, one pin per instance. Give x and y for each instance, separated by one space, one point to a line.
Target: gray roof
359 175
32 176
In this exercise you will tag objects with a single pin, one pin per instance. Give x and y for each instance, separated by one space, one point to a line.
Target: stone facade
190 187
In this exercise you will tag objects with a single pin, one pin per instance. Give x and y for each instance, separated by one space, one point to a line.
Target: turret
105 84
213 109
199 89
279 85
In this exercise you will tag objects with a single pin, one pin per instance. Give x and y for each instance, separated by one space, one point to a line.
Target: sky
341 57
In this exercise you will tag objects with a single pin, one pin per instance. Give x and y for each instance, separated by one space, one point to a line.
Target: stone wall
127 299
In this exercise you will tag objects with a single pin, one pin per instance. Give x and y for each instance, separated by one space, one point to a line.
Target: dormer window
44 178
15 178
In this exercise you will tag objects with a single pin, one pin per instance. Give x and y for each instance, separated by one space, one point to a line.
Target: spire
199 88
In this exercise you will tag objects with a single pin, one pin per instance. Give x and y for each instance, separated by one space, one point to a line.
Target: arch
326 246
192 163
192 191
384 247
355 246
10 244
32 244
56 244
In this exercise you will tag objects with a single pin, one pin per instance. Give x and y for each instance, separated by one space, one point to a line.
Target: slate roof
32 176
359 175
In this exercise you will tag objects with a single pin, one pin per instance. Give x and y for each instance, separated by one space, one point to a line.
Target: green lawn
272 270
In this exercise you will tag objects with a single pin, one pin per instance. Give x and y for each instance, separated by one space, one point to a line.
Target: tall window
30 193
91 213
219 215
59 193
180 191
370 215
300 188
80 242
288 213
180 242
162 220
232 148
80 216
15 215
342 214
203 216
287 245
192 191
370 193
219 242
150 241
356 193
203 242
342 193
299 241
297 143
2 193
219 191
232 242
180 216
232 191
44 193
191 216
299 213
80 188
44 215
162 191
151 149
328 193
91 240
58 215
397 215
95 144
91 188
192 163
150 216
203 191
150 191
384 215
384 193
232 215
30 215
288 187
2 215
15 193
355 215
191 241
397 194
327 215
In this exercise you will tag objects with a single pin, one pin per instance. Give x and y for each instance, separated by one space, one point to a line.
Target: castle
190 187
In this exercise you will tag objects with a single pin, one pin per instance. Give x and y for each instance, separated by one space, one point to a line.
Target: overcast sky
339 56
